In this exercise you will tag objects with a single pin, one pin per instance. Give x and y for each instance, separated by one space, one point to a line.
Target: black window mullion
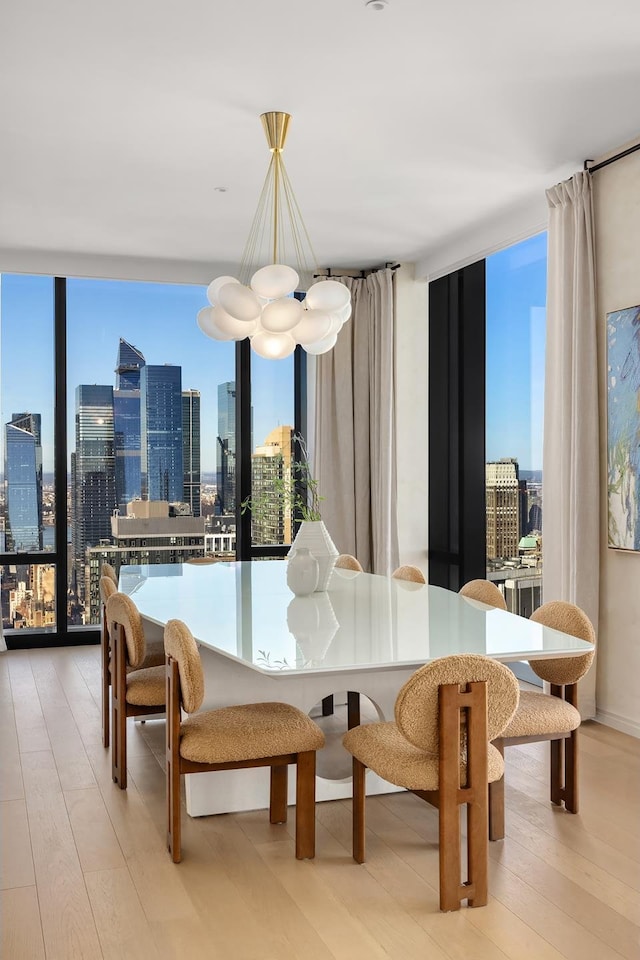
60 441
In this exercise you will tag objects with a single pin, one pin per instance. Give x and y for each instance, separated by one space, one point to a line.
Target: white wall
412 422
617 218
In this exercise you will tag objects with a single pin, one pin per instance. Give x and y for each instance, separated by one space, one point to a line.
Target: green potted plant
292 491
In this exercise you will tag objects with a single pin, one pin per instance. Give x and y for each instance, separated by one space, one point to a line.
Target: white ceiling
410 126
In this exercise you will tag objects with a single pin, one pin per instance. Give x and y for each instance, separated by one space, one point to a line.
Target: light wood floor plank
95 838
16 862
21 932
122 926
30 723
67 922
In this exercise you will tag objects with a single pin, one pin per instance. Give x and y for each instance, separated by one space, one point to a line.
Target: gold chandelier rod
277 195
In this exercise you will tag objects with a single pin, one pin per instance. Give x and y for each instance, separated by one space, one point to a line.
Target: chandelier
260 303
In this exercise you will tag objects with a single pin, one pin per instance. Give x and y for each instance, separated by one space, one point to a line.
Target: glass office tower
126 422
93 474
23 482
227 447
191 449
161 433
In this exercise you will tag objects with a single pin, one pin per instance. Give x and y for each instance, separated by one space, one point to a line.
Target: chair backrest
346 562
203 559
106 570
107 588
416 708
485 592
122 610
181 647
409 572
569 619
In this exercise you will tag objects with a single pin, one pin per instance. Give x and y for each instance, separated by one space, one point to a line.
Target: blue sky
159 319
516 316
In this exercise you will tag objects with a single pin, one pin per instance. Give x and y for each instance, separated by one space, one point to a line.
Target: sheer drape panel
355 455
571 513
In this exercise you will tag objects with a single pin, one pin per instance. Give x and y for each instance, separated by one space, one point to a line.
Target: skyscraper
23 482
93 473
271 467
126 424
503 508
161 432
191 449
227 446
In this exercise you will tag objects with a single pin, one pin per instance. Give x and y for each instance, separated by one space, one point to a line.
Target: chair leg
278 799
327 706
496 802
353 709
106 682
119 734
359 773
174 824
477 847
306 805
571 773
557 765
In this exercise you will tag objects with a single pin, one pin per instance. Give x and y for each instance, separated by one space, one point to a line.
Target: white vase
302 571
313 535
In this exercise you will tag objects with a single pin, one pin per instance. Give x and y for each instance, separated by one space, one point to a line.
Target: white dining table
366 633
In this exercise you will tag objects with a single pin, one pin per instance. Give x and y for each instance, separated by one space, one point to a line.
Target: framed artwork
623 428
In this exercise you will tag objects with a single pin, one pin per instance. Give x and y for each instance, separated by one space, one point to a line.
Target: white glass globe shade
272 346
345 312
239 302
206 321
214 288
322 346
274 281
336 324
314 325
281 315
328 295
232 329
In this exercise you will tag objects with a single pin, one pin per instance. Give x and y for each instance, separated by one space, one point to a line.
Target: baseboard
618 723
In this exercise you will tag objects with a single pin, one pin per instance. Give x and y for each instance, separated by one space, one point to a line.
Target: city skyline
157 319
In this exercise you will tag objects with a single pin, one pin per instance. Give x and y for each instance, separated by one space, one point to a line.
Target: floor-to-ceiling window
121 442
516 280
486 379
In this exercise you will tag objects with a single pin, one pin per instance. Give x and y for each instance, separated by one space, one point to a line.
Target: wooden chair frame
564 766
177 765
105 679
120 709
450 796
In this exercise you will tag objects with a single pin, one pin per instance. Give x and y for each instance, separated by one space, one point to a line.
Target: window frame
65 634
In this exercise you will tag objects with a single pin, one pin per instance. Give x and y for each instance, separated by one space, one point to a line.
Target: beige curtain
571 509
355 453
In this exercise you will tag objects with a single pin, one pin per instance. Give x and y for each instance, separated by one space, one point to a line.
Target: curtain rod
329 273
605 163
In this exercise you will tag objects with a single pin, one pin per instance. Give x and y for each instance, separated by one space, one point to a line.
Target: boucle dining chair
154 648
106 570
485 591
136 690
550 716
107 589
347 562
409 572
439 748
234 738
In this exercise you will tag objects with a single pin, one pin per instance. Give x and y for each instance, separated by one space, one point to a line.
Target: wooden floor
85 872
